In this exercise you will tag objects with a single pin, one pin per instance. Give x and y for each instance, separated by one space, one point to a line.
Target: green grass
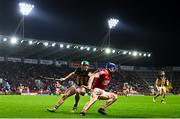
132 106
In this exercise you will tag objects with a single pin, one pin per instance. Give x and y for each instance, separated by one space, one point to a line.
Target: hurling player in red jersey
98 81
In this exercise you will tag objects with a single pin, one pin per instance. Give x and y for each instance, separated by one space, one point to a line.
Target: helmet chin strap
110 69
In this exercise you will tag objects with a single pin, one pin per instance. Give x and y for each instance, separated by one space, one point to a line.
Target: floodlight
113 51
68 46
46 44
81 47
4 39
135 53
88 48
30 42
13 40
25 8
61 45
112 22
53 44
130 53
107 50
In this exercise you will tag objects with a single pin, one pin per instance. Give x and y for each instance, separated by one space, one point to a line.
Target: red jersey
103 80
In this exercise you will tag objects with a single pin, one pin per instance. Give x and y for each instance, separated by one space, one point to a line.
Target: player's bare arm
68 76
91 79
59 79
167 82
156 83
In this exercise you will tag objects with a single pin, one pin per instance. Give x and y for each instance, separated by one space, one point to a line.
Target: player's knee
94 100
164 93
77 91
81 91
64 96
115 96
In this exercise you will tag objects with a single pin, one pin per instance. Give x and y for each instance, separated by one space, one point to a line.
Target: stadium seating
28 74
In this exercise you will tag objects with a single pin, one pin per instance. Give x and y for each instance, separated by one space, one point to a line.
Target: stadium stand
28 75
176 83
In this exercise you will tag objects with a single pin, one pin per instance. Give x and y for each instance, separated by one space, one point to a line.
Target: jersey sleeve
100 73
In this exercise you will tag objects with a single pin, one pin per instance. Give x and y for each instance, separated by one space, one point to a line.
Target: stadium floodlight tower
112 23
25 10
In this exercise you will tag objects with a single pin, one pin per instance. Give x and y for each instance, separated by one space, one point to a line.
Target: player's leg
163 94
20 90
77 98
79 91
110 97
158 94
7 91
93 99
57 91
125 92
69 92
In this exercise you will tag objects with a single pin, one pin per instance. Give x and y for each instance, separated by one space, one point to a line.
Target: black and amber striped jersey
81 77
162 81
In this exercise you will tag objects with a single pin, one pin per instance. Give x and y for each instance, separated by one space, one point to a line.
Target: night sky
145 25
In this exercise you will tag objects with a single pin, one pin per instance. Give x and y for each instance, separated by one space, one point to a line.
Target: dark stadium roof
74 53
145 25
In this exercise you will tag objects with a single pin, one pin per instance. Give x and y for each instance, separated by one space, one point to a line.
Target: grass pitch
14 106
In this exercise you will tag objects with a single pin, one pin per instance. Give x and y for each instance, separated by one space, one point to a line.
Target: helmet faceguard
162 73
111 67
85 65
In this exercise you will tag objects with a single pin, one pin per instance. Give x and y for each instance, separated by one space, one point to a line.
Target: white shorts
161 89
98 91
103 95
